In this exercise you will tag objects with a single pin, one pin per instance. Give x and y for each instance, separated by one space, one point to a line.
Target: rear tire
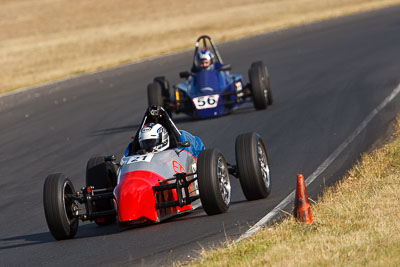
101 174
252 166
165 92
266 79
260 85
59 207
154 94
214 183
164 86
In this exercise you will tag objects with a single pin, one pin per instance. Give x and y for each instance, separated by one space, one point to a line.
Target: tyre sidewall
154 94
101 174
58 222
248 166
210 194
258 85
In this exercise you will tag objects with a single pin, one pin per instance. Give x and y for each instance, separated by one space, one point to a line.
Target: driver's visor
148 144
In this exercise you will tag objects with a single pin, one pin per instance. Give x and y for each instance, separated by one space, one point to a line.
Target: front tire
214 183
252 166
59 207
101 174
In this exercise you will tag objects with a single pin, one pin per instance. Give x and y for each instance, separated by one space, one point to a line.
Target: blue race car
209 89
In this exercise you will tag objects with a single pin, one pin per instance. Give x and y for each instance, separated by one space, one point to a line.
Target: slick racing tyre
252 166
59 207
267 83
164 87
260 85
214 183
154 94
101 174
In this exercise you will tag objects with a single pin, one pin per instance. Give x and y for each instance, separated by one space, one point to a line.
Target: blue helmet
204 55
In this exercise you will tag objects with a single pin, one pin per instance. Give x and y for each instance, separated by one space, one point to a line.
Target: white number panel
138 158
208 101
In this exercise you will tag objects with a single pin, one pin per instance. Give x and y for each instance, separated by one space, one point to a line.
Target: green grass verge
356 222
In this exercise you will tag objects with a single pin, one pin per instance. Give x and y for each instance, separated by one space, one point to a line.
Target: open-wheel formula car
163 172
209 89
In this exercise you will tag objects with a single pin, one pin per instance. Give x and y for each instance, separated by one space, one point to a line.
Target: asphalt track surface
326 78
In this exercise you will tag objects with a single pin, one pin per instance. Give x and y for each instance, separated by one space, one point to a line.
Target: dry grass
356 223
42 40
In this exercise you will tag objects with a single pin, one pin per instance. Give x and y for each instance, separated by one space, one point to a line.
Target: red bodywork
136 200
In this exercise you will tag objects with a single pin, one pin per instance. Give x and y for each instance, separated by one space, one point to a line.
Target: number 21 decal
139 158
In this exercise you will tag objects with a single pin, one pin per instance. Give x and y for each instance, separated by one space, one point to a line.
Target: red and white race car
152 186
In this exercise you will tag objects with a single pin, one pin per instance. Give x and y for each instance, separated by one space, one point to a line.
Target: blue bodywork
196 145
210 83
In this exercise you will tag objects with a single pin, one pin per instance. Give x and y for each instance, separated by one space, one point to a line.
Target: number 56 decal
208 101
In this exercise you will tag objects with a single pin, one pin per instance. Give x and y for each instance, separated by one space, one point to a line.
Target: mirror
225 67
184 74
184 144
109 158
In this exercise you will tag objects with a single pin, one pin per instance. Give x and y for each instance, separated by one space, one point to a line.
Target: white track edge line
324 165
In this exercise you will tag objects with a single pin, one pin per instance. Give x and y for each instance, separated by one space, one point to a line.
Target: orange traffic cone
302 209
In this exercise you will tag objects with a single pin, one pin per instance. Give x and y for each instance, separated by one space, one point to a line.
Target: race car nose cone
135 198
